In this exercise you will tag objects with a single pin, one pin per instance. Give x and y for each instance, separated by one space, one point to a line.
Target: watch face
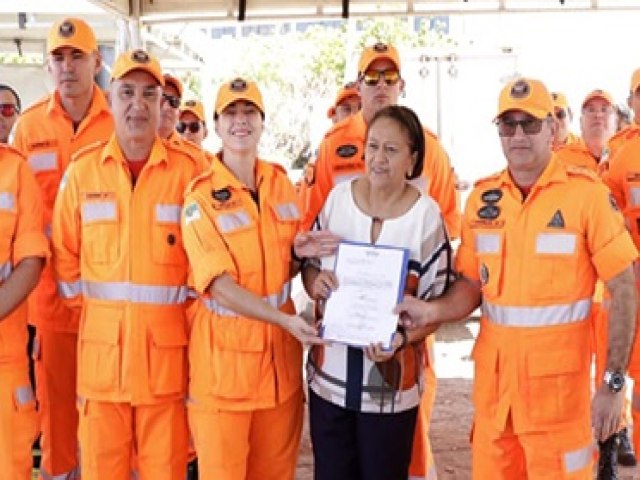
616 381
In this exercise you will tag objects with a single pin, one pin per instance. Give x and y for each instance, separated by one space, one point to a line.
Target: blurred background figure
9 110
347 103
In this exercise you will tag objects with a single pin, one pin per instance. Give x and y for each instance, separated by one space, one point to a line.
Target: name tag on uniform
556 243
168 213
488 243
98 211
7 201
45 161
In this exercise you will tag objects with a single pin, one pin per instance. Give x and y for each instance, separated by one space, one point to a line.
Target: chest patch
346 151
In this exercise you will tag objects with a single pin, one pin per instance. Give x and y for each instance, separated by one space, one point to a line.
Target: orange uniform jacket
341 158
577 155
119 252
21 236
620 138
538 261
45 135
239 363
623 178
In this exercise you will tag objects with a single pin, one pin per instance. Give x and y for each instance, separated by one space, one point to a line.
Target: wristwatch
614 380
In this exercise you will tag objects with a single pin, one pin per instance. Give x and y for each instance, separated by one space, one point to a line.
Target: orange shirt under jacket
21 236
46 136
623 178
239 363
538 261
341 157
118 252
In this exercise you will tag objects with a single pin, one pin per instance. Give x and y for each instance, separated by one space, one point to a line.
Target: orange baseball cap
348 91
560 100
137 60
195 107
238 89
528 95
635 80
175 81
71 32
598 94
376 52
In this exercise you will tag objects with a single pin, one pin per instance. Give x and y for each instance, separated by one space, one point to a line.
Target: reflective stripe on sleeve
5 271
537 316
7 201
556 243
578 459
276 300
24 395
40 162
288 211
96 211
488 243
229 222
168 213
70 289
634 193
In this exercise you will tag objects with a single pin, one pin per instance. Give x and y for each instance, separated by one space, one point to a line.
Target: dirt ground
453 410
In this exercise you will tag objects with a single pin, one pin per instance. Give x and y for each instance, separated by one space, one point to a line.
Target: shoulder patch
88 150
191 213
581 172
485 181
346 150
198 180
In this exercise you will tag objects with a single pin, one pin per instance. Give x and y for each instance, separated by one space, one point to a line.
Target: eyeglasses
372 77
593 110
172 100
530 126
8 109
194 127
561 114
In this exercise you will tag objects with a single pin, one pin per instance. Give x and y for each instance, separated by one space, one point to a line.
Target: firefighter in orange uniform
631 131
623 178
118 256
48 133
525 231
347 103
597 126
240 224
563 115
23 249
192 125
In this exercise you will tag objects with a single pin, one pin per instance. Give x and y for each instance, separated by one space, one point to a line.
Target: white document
371 282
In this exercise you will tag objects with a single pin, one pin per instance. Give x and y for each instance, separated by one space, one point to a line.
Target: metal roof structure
151 11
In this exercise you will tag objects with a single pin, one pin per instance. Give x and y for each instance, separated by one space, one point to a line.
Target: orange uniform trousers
422 464
18 422
55 363
248 445
119 439
565 454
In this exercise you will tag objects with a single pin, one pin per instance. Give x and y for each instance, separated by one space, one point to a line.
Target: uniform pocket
100 348
237 354
167 357
485 385
167 247
557 386
100 234
554 256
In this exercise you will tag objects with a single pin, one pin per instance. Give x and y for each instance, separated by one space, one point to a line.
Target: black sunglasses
508 127
194 127
173 101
